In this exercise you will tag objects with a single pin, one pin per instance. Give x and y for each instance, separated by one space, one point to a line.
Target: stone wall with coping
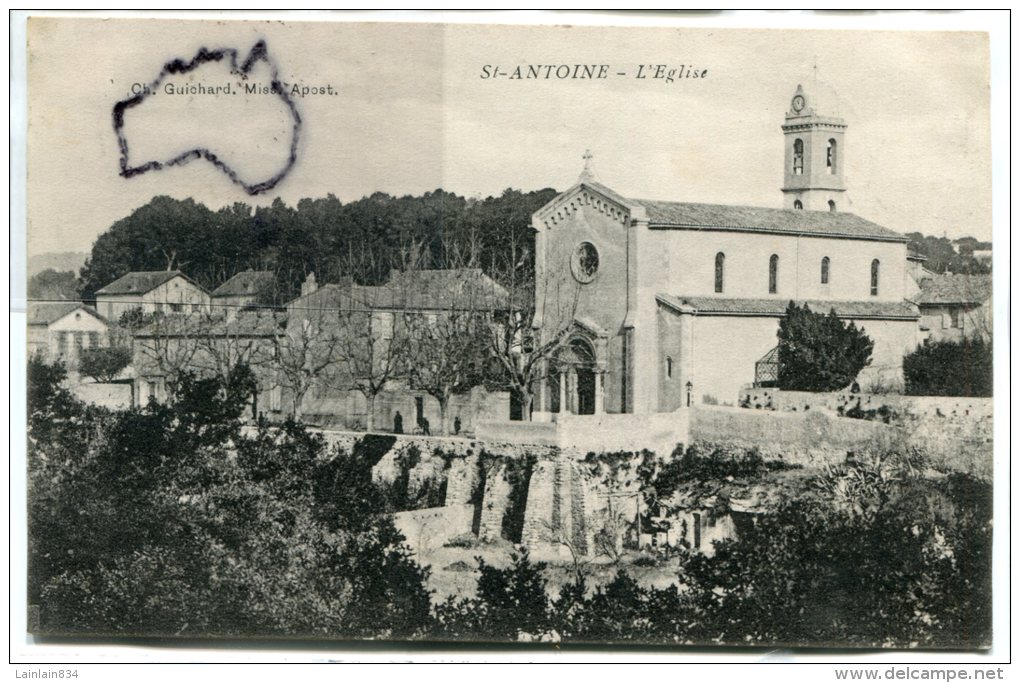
819 437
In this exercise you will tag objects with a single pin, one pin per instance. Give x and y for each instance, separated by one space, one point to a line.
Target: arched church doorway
578 371
585 391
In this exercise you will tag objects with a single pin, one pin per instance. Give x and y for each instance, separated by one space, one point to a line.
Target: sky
413 113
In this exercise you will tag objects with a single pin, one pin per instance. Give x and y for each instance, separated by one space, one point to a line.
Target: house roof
47 313
453 289
758 219
949 288
707 305
244 324
695 216
246 282
140 282
457 288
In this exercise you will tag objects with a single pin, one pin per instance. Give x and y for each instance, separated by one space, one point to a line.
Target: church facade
667 304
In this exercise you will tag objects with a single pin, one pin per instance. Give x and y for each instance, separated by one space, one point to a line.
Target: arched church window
797 204
832 205
773 273
830 157
669 367
798 157
874 278
825 270
720 264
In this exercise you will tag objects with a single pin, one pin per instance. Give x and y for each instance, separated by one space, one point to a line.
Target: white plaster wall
112 307
173 292
893 339
725 351
687 258
75 322
727 347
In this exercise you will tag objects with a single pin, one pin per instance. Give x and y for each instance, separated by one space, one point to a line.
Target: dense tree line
362 239
943 257
169 520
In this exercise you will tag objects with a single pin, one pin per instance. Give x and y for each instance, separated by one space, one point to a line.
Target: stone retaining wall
430 528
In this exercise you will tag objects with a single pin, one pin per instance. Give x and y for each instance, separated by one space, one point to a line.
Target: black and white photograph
427 334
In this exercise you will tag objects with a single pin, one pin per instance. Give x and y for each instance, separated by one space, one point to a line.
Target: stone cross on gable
588 174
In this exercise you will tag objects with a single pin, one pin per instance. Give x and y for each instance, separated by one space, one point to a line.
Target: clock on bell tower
813 176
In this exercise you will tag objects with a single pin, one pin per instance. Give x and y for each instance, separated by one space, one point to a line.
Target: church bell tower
813 173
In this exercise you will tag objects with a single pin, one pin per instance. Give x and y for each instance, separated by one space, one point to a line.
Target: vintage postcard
429 332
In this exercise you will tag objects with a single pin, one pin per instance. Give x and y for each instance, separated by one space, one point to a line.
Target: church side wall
670 356
725 351
727 347
893 339
690 265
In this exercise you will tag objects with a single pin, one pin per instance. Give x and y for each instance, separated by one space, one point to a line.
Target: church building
666 304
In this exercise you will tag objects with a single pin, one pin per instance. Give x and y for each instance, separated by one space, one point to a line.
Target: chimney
309 286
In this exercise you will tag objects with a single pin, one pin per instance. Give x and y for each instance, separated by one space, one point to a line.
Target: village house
676 302
955 307
208 345
159 291
245 289
62 330
369 333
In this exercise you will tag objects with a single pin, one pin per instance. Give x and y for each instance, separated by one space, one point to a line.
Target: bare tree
373 347
167 344
247 339
556 536
535 326
447 354
309 353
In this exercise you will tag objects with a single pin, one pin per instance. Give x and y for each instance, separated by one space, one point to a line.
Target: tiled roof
455 289
244 324
47 313
461 288
140 282
949 288
777 307
758 219
246 282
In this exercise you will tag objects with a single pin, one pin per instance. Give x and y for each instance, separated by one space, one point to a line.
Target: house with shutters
157 291
62 330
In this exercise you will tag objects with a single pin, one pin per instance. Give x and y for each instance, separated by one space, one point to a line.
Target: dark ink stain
259 52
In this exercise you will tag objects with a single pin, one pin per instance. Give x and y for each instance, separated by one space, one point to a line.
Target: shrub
173 536
949 368
104 363
819 352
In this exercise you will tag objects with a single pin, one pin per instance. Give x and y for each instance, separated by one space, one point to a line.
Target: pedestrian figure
456 425
398 423
425 427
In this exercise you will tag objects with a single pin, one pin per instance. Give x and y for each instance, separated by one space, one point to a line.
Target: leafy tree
165 234
948 368
942 256
819 352
150 526
363 239
53 285
104 363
